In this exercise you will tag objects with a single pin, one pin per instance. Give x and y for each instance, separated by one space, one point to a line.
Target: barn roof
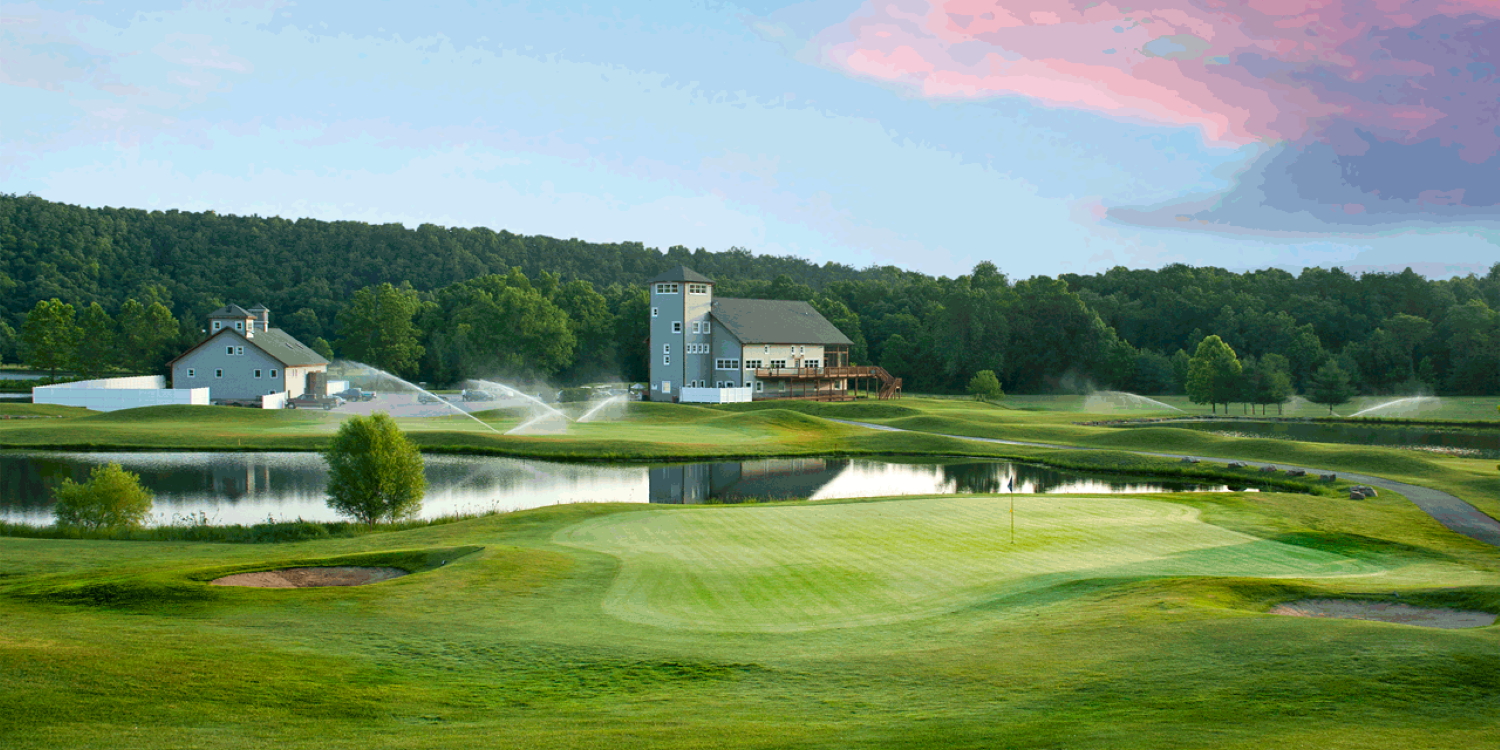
774 321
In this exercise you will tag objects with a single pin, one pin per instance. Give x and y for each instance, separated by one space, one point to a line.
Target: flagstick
1013 510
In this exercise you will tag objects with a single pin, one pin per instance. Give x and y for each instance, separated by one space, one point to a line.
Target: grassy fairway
1109 625
811 567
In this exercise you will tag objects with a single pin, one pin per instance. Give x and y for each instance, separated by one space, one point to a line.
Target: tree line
446 303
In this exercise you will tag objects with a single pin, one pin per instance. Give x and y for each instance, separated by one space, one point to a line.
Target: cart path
1445 508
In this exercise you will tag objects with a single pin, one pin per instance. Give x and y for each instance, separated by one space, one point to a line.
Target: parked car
429 398
309 401
356 394
478 396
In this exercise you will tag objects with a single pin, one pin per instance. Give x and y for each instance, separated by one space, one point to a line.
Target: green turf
828 566
1137 639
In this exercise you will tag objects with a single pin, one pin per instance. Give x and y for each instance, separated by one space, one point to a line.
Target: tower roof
260 308
681 273
230 311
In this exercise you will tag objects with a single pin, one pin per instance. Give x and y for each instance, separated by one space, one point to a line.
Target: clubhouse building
710 350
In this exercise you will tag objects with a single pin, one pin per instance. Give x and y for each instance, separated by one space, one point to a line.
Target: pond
251 488
1468 442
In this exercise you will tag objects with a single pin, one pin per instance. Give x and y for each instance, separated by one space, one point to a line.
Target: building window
747 384
706 328
813 363
752 364
273 373
803 350
697 326
697 289
229 351
676 326
239 325
192 373
777 364
239 351
726 364
768 349
257 374
666 348
218 325
760 385
218 373
666 288
666 359
666 386
655 311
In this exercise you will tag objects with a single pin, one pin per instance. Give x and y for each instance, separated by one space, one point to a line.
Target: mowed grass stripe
790 568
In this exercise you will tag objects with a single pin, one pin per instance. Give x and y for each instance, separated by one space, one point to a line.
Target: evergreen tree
50 336
1330 386
1213 373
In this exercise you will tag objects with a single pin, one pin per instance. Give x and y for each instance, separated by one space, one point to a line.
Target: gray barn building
778 348
244 358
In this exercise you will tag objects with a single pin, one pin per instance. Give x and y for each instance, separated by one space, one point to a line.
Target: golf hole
1404 614
297 578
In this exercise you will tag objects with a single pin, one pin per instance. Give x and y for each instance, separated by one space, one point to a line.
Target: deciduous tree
378 328
112 498
98 347
374 471
50 335
985 386
1213 373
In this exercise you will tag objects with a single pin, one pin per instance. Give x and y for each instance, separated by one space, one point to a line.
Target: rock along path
1447 509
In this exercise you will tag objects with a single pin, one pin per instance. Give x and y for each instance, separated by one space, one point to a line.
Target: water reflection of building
736 481
246 480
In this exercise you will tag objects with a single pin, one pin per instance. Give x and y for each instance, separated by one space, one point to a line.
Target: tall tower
680 353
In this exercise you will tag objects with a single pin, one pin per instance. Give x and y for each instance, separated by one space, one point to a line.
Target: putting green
790 568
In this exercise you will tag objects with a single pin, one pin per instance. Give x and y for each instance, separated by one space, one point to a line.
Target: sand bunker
297 578
1404 614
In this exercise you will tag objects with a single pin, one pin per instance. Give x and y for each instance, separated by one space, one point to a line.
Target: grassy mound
790 568
189 414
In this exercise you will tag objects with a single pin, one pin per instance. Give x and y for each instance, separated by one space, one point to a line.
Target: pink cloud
1246 71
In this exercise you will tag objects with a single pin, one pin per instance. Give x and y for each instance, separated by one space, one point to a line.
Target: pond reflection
254 487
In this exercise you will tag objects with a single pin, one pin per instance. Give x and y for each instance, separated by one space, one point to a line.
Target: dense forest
445 303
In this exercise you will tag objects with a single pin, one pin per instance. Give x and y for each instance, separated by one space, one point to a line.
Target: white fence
715 395
273 401
113 394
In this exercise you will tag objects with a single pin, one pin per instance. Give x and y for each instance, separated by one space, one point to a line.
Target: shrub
113 498
985 386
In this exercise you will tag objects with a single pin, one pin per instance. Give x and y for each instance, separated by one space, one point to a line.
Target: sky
1046 136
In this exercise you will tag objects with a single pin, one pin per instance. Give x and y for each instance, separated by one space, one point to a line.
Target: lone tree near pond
374 471
985 386
1330 386
1213 375
113 498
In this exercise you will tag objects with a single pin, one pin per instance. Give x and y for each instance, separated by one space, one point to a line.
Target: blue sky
701 124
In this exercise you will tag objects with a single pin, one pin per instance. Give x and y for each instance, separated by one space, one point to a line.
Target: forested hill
86 255
1129 329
